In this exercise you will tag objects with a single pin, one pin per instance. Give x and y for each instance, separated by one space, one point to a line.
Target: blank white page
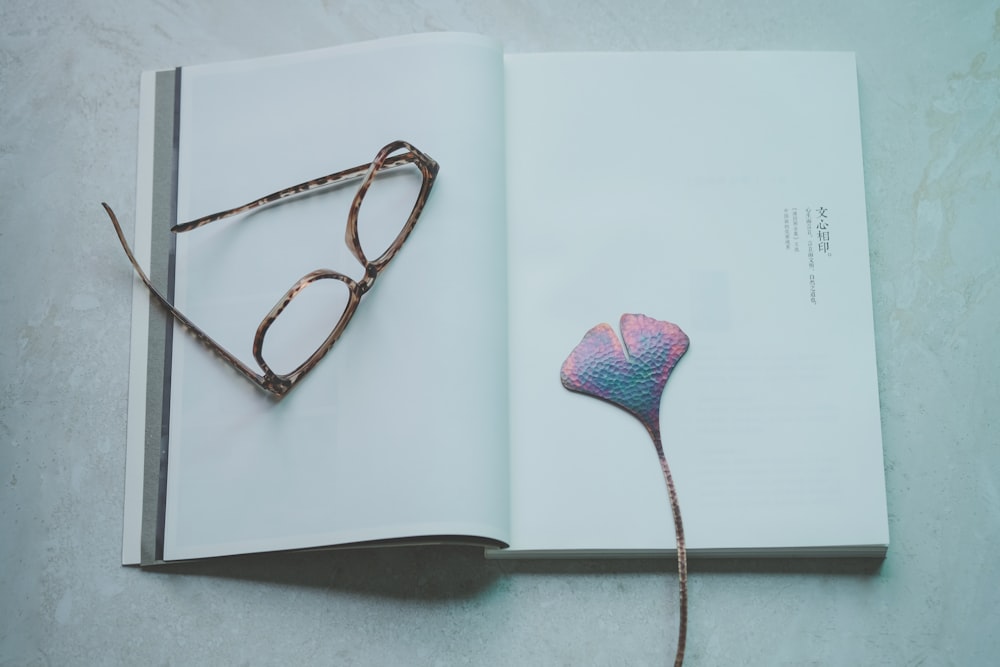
401 429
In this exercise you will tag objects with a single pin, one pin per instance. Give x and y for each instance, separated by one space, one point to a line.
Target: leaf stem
675 508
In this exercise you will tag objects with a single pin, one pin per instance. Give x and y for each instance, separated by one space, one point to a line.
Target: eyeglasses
394 155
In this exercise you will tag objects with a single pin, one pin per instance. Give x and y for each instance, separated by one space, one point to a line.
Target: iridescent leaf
633 377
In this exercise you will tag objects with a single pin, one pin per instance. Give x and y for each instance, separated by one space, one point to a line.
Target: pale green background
930 101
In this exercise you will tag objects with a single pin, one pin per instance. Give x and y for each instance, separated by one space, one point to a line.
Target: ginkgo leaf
631 377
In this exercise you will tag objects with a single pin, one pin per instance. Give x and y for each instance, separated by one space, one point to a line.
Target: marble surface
930 96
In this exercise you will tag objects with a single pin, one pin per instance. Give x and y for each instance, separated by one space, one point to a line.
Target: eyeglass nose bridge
366 283
280 383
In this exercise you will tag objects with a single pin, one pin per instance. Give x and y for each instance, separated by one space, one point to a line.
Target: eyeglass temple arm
322 181
198 333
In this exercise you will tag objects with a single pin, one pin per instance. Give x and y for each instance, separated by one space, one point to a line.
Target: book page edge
135 430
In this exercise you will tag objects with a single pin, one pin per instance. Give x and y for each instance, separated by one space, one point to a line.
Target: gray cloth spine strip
167 97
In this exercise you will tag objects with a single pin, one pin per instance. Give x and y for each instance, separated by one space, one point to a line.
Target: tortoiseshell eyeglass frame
279 384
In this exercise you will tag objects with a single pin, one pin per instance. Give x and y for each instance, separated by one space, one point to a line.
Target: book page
401 430
724 193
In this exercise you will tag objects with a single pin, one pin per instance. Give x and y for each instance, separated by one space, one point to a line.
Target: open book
720 191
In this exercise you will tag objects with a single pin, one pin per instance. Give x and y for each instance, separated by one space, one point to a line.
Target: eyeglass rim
293 376
428 168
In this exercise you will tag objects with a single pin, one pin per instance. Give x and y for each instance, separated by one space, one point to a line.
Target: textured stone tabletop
930 105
